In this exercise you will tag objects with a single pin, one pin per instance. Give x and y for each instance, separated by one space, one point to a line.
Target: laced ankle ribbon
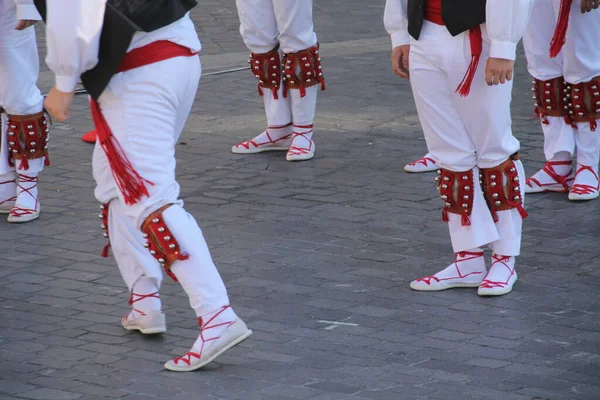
10 199
204 336
488 284
256 144
135 297
459 257
423 161
297 150
580 188
548 168
20 211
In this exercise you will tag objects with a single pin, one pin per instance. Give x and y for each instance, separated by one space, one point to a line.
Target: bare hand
24 24
58 103
498 70
589 5
400 60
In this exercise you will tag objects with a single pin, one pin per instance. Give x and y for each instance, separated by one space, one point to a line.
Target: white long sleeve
73 30
26 10
506 21
396 22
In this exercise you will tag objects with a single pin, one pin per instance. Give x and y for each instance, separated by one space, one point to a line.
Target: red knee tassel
104 252
322 84
445 215
285 91
260 91
47 160
560 33
275 96
593 124
130 183
476 48
466 221
24 165
302 92
522 211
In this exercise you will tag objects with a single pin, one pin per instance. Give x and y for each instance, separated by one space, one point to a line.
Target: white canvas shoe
274 138
424 164
548 179
501 278
26 207
217 335
8 192
148 323
467 270
587 184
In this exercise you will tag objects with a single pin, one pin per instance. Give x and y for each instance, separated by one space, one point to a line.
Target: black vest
121 20
458 15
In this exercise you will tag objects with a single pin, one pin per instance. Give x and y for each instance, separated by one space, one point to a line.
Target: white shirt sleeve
506 21
73 30
396 22
26 10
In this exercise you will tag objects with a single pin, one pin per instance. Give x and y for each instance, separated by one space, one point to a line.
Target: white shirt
26 10
506 21
73 29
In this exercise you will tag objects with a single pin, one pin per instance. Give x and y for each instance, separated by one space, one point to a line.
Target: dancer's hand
58 104
589 5
400 60
24 24
498 70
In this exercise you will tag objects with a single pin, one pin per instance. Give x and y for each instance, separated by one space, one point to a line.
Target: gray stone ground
317 257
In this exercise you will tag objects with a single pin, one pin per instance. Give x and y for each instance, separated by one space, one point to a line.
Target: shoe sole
437 289
420 170
540 190
148 331
256 151
20 220
237 341
583 197
497 292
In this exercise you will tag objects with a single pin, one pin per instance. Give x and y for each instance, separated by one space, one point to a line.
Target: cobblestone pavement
317 257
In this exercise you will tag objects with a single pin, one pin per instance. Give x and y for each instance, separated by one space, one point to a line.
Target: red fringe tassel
476 48
560 33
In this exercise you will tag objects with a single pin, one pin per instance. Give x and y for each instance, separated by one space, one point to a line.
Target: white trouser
465 132
147 115
19 69
289 23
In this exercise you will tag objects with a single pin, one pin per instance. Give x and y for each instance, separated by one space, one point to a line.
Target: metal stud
512 169
437 178
498 203
11 143
102 207
29 126
448 204
517 188
32 143
466 197
492 176
161 229
465 205
272 58
11 134
105 235
517 198
465 177
155 220
444 197
493 184
31 133
548 84
303 58
103 226
444 186
146 244
172 246
495 195
516 179
161 260
167 238
467 188
547 92
145 235
446 178
100 215
32 151
307 65
153 252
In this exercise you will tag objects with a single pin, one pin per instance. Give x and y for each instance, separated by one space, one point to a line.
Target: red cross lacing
19 211
548 168
138 297
187 357
459 257
423 161
296 150
11 199
488 284
248 143
580 188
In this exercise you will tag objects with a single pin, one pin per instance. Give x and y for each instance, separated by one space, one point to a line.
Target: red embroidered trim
549 170
549 98
423 161
560 33
19 211
134 298
503 194
584 103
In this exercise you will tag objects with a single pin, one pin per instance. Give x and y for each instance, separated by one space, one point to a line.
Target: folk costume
286 62
138 61
25 126
562 46
467 127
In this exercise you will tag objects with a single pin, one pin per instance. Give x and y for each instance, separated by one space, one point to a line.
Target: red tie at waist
433 13
130 183
560 33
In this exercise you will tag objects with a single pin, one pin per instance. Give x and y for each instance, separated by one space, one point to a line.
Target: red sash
128 180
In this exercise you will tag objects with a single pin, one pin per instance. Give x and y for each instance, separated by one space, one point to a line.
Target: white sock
562 169
8 188
27 191
145 296
213 323
465 264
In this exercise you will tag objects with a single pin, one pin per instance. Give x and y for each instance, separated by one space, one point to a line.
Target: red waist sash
128 180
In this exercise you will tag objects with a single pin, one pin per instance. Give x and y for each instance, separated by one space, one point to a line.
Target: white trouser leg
198 274
461 132
295 23
510 224
558 137
133 259
581 49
